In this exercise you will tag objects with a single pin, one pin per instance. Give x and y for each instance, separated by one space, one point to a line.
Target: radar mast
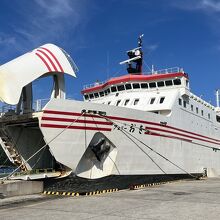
134 63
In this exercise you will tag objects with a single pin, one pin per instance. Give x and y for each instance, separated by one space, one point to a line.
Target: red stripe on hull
176 133
129 120
167 136
76 121
75 127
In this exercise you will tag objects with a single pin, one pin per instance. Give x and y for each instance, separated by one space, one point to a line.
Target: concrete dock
198 199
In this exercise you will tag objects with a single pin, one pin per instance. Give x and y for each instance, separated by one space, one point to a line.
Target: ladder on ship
7 144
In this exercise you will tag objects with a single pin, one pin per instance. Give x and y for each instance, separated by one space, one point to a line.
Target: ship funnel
217 97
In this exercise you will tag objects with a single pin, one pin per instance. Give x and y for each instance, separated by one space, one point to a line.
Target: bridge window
209 116
107 91
113 89
101 94
128 86
160 84
120 87
162 100
136 101
184 104
86 97
197 110
177 82
192 108
96 95
218 118
168 83
136 86
152 101
152 85
126 102
180 101
91 96
144 85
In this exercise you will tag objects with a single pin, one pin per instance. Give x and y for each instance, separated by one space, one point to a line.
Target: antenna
134 63
217 97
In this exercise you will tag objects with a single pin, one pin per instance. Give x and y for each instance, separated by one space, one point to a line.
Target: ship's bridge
150 92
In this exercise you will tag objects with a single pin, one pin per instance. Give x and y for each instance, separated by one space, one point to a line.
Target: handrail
161 71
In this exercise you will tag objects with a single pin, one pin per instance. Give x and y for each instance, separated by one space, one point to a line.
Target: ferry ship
134 124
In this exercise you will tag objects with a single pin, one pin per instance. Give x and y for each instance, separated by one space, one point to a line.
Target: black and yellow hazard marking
133 187
73 194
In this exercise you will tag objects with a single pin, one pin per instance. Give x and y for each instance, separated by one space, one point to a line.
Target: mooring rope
64 129
165 158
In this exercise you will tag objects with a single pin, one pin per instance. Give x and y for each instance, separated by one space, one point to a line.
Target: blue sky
96 33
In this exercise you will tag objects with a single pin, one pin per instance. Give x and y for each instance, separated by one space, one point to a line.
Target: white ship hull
190 150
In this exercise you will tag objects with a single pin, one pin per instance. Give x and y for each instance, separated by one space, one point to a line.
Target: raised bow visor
16 74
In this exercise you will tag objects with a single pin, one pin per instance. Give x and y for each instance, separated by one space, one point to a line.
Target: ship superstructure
135 124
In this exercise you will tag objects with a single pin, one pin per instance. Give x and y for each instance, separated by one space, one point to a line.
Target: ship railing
36 171
167 70
97 83
37 106
161 71
8 108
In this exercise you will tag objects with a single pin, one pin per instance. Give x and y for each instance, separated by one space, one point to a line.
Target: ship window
113 89
91 96
136 101
152 85
152 101
101 94
96 95
107 91
144 85
192 108
126 102
209 116
180 101
177 82
109 103
128 86
218 118
168 83
121 87
160 84
136 86
184 104
202 113
162 100
197 110
86 97
118 102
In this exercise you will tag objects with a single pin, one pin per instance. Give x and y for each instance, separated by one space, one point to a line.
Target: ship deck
176 200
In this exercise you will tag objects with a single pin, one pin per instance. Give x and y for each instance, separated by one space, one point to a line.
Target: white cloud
45 21
6 39
57 8
151 47
210 6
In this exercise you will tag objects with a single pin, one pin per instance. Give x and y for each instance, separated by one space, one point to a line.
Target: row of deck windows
129 86
136 101
184 103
